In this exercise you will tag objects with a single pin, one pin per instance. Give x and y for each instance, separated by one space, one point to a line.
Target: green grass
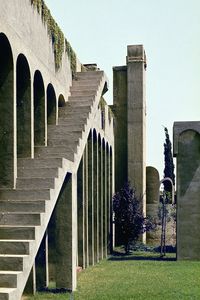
134 277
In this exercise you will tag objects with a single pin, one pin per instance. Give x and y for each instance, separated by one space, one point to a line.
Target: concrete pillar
136 119
96 197
81 214
112 235
30 288
8 115
42 265
100 192
90 200
66 234
108 197
104 200
86 243
120 128
187 150
152 198
23 91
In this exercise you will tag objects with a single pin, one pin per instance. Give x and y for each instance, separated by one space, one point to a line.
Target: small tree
129 219
169 165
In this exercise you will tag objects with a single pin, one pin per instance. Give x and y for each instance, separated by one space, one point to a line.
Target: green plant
129 219
56 35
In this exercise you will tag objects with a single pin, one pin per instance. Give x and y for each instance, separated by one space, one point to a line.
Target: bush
129 219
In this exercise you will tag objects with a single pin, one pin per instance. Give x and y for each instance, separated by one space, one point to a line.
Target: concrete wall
187 152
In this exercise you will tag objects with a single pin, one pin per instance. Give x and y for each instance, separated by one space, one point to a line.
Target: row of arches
23 122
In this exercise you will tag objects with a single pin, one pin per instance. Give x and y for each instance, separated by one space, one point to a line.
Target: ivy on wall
102 105
58 40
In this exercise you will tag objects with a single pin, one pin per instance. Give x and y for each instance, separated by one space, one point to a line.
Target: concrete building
57 151
187 152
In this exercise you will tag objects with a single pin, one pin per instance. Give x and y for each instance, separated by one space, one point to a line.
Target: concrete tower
129 107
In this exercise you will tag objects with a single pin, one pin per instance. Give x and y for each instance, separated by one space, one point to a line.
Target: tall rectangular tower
129 107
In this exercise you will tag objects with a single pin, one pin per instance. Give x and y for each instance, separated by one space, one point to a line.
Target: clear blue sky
99 32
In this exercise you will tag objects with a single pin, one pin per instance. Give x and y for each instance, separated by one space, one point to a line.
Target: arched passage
39 109
61 101
51 105
23 107
6 109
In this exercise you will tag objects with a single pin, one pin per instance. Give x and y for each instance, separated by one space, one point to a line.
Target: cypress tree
169 165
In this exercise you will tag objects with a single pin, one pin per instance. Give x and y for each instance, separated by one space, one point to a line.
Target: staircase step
8 279
94 75
32 219
77 129
22 206
85 93
88 82
72 123
80 99
37 172
74 107
11 262
84 87
39 163
56 142
81 103
33 183
14 247
70 147
21 194
6 293
61 133
17 233
69 154
75 115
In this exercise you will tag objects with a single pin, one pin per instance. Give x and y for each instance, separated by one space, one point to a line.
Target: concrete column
90 201
30 288
41 264
152 198
96 198
81 214
85 157
108 200
100 192
136 118
111 203
66 234
120 128
104 201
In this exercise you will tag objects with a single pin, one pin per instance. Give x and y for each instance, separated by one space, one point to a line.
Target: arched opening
6 108
61 101
23 107
39 110
51 105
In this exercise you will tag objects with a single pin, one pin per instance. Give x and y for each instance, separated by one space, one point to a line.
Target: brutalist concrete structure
129 107
56 156
57 151
187 152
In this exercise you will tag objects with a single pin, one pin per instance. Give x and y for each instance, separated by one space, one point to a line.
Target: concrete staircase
25 211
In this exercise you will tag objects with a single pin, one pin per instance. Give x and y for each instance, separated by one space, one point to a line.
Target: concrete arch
188 158
39 109
61 101
7 110
51 104
23 91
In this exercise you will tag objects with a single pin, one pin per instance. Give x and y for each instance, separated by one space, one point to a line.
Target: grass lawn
138 276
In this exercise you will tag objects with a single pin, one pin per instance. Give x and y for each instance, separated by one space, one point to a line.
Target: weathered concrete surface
129 108
187 152
152 201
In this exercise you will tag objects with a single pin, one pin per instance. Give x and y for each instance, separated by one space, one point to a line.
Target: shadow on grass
118 256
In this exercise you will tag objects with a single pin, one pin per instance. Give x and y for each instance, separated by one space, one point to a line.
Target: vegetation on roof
58 40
